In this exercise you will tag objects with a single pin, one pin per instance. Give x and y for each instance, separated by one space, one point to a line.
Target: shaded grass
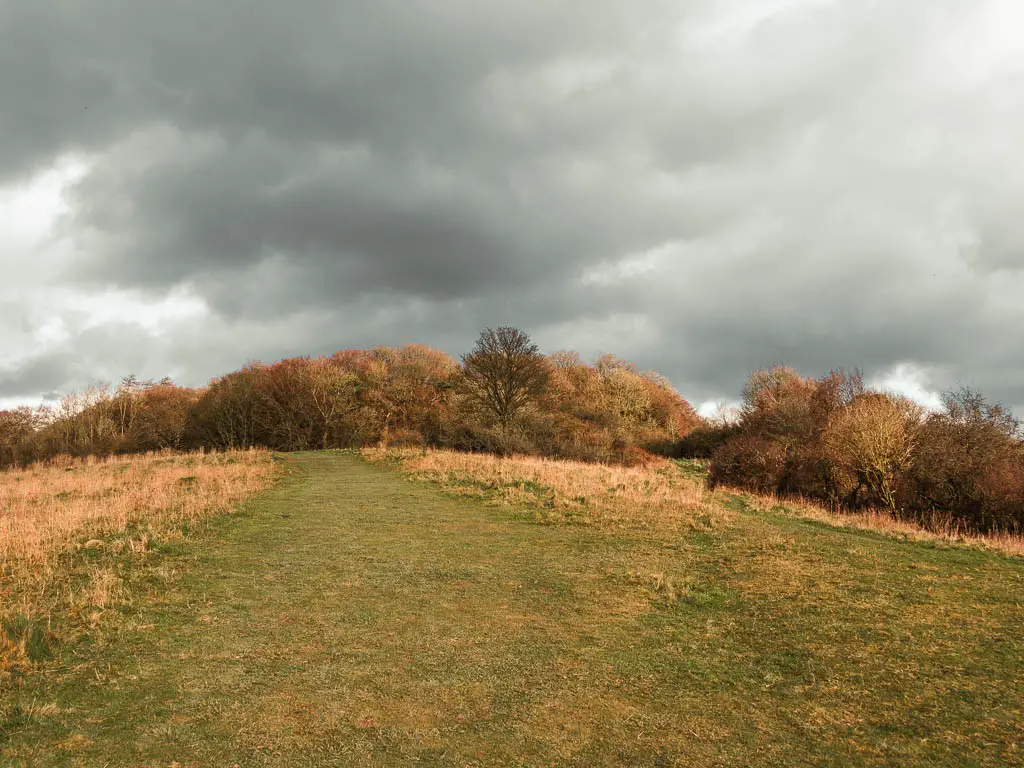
351 617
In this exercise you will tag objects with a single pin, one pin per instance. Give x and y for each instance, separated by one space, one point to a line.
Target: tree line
503 396
830 439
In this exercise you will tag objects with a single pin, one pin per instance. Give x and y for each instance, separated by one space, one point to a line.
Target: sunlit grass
663 494
48 508
939 530
608 496
68 526
355 615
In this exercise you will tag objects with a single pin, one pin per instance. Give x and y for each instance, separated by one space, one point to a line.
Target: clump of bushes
703 440
503 397
834 440
969 460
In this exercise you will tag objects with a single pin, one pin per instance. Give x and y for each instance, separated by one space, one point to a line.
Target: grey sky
705 187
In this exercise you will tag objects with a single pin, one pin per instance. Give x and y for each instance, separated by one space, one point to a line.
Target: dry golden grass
657 495
939 530
50 508
111 508
571 491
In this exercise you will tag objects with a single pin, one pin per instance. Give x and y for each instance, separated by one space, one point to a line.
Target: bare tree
504 372
127 401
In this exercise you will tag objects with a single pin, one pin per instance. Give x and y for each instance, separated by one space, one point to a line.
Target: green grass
353 617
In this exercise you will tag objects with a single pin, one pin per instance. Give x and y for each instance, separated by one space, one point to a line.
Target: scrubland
541 562
832 440
463 609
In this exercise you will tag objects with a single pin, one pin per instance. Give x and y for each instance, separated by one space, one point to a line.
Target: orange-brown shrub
404 389
969 461
162 418
832 439
17 429
602 412
749 461
874 438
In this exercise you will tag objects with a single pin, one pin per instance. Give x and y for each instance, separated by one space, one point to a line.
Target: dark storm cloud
32 377
707 187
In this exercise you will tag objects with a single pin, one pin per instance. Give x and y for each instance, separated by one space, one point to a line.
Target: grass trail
352 617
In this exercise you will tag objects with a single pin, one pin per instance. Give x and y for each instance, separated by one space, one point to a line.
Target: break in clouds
705 188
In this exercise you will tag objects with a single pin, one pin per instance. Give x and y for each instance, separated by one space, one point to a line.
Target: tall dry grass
52 507
657 495
115 508
937 530
572 491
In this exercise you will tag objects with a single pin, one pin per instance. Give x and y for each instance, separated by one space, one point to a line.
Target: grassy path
351 617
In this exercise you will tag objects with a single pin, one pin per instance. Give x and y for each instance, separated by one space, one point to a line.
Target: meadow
441 608
69 528
671 496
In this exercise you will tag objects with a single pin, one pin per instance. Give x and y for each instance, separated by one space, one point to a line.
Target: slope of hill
352 617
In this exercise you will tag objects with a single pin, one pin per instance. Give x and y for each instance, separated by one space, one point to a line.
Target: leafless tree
504 372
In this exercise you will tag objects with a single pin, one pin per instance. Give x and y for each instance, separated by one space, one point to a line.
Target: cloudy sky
705 187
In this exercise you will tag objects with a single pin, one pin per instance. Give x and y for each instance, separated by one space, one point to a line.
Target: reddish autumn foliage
134 416
749 461
832 439
969 461
505 398
17 429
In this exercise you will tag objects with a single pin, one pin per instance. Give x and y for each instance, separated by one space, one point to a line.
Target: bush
832 439
811 474
748 461
969 462
874 438
473 437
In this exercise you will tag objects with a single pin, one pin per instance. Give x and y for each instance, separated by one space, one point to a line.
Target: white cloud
30 209
910 381
158 316
720 410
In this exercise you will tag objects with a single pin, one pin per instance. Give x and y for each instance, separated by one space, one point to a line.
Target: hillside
352 617
831 439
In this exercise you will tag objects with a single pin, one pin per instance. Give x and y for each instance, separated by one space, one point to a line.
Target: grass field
73 531
380 614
